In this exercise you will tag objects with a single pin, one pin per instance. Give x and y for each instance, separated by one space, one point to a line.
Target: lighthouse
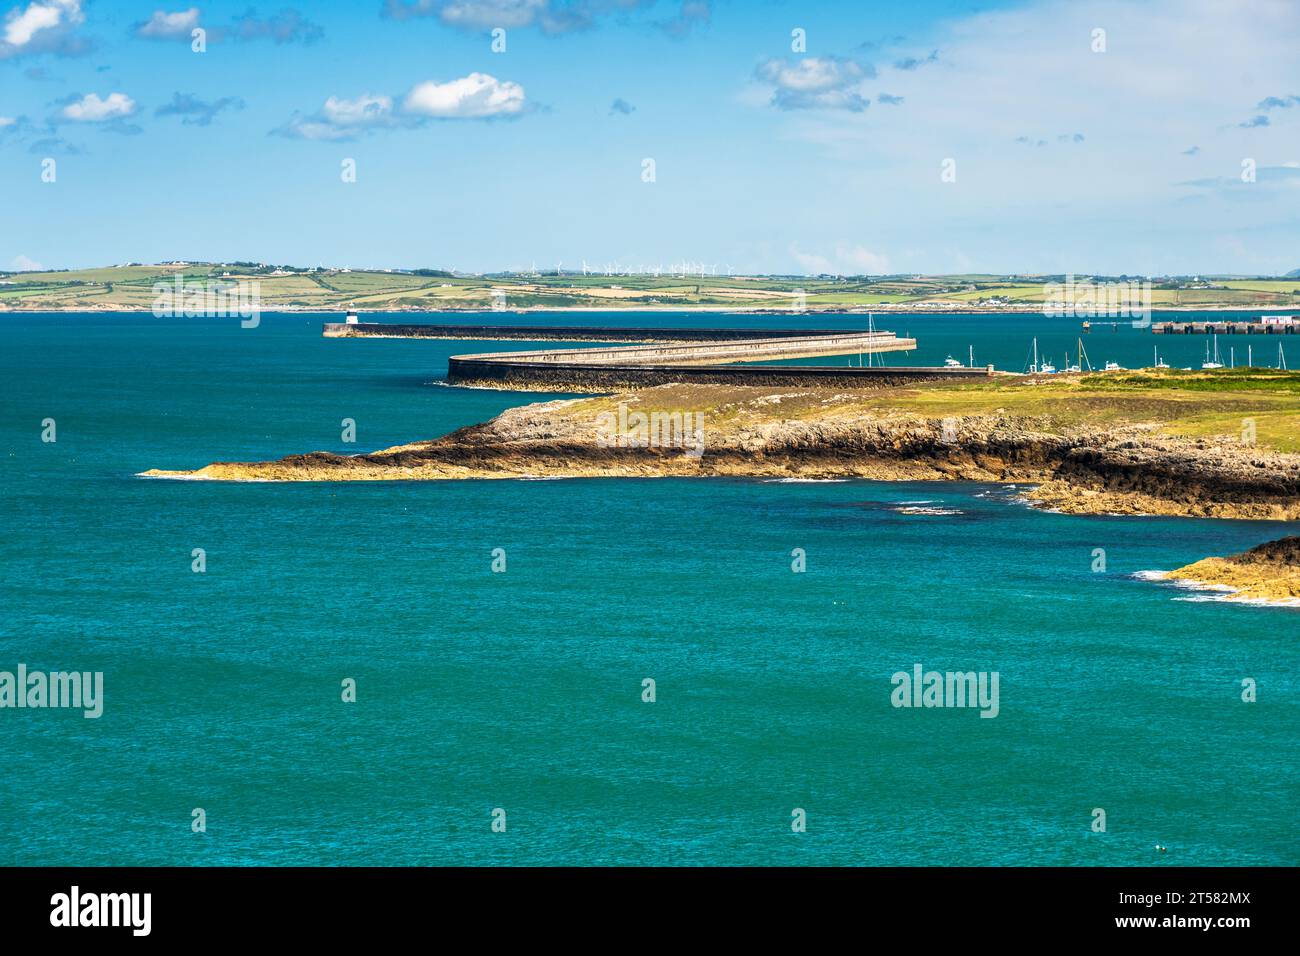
352 317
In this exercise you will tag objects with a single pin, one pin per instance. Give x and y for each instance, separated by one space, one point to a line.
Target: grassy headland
1167 442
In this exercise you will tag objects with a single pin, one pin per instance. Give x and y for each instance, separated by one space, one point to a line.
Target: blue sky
766 158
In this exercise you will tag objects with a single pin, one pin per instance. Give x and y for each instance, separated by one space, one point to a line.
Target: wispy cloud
1278 102
845 259
1284 176
690 15
54 146
909 63
286 26
621 105
550 16
169 26
196 112
25 264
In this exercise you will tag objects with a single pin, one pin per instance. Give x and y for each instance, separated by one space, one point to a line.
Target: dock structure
562 333
665 355
1282 325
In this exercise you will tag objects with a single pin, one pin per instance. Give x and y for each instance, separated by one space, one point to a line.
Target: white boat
1160 363
1114 367
1207 364
1046 368
951 362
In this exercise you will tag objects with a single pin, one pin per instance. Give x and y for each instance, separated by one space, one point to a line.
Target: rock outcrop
1269 572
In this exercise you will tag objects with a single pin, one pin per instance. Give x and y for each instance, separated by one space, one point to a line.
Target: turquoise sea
522 690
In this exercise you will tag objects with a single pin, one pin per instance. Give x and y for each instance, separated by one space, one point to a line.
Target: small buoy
1161 849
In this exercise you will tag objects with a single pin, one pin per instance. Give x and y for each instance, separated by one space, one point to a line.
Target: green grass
1208 405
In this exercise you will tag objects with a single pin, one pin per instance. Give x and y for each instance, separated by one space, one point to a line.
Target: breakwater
1226 328
468 371
661 356
555 333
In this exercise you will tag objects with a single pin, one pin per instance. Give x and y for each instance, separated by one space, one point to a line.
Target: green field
130 287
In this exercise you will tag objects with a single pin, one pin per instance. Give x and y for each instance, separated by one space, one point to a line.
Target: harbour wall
659 356
1223 328
558 333
713 353
471 370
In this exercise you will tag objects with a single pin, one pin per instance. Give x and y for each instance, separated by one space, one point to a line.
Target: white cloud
166 26
365 110
341 118
23 264
6 121
846 260
816 82
25 28
475 96
91 109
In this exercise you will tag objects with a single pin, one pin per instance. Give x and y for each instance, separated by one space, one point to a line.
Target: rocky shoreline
1127 469
1269 573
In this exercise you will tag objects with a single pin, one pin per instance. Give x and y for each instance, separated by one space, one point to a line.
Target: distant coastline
894 308
202 286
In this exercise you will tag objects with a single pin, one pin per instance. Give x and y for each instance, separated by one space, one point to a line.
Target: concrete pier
561 333
1225 328
666 355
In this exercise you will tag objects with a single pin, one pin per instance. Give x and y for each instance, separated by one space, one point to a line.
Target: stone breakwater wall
583 378
663 356
556 333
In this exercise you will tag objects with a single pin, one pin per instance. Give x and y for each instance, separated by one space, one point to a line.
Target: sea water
523 691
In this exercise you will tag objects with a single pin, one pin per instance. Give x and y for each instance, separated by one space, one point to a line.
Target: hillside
131 288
